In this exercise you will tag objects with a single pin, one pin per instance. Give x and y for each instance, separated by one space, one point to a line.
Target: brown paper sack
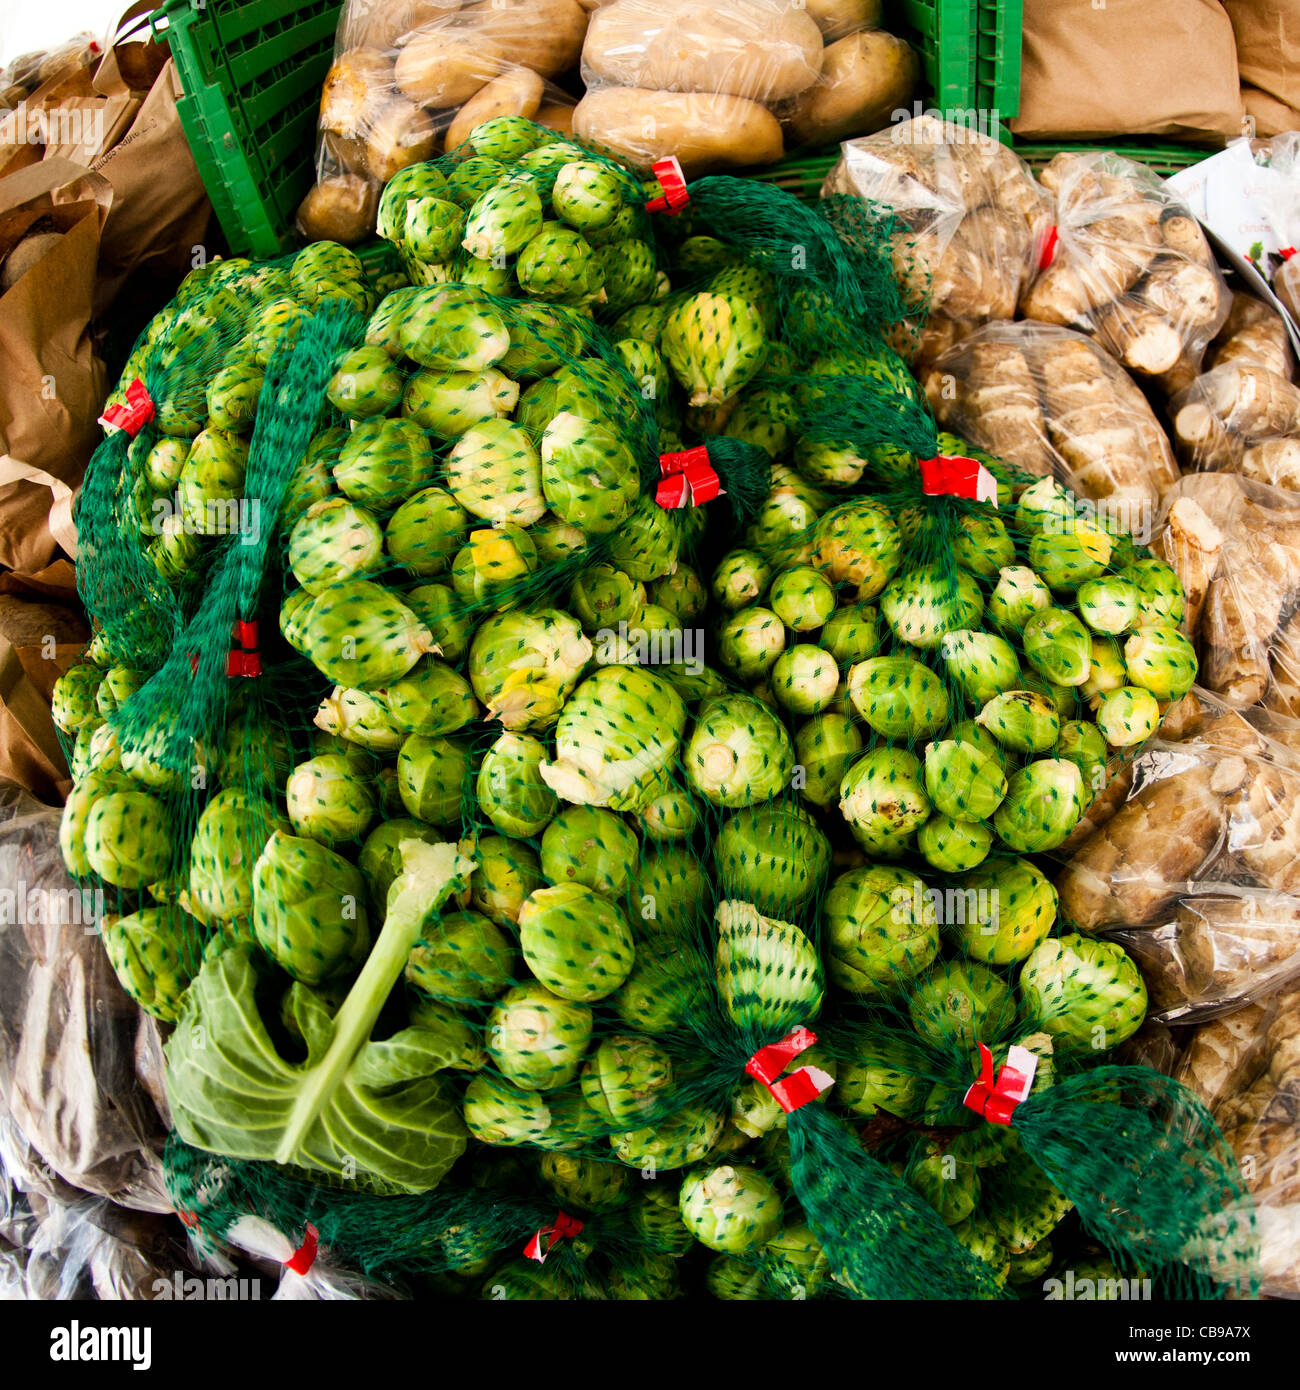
53 385
160 210
1268 51
30 754
1128 67
1269 116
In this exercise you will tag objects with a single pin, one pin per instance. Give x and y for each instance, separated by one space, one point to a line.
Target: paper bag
160 211
1268 54
53 384
1128 68
1268 116
30 753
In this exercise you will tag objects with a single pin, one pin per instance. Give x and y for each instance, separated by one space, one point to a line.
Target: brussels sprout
668 894
880 1073
463 959
1085 992
670 816
952 846
772 856
899 697
883 799
1021 720
982 665
1017 596
626 1079
880 931
768 972
1044 802
959 1003
592 847
128 839
586 1185
1160 659
739 754
507 873
676 1141
536 1039
825 748
1108 605
662 989
1058 646
731 1209
750 641
1127 716
309 909
155 953
231 832
1003 910
380 860
434 776
328 801
577 943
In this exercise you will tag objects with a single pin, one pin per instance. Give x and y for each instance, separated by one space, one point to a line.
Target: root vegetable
518 92
341 208
864 77
442 68
1192 545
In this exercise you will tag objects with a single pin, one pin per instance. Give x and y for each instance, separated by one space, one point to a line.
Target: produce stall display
648 738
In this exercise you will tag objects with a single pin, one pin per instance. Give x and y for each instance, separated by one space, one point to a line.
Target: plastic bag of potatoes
412 78
969 217
724 83
1128 265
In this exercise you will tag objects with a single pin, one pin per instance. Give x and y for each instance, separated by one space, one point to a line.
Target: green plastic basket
251 72
1164 158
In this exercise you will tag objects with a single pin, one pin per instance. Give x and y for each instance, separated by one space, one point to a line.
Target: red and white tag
944 476
673 182
689 479
133 415
564 1226
996 1100
304 1256
248 660
1286 252
799 1087
1048 241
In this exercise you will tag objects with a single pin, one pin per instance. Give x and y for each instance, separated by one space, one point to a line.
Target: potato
515 93
25 255
346 153
555 116
341 208
760 49
866 77
380 23
545 35
402 134
358 84
444 67
703 129
839 18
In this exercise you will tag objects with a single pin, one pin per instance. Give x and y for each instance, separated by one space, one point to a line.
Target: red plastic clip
689 479
248 661
132 416
1047 249
997 1100
944 476
801 1086
1286 252
565 1225
673 182
304 1256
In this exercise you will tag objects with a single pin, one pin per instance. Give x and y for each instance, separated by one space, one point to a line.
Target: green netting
555 806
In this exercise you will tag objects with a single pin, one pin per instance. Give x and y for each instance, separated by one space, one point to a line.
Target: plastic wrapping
1050 401
1247 635
970 218
413 77
1129 265
24 74
720 83
1241 418
1254 333
1258 1115
1196 873
67 1077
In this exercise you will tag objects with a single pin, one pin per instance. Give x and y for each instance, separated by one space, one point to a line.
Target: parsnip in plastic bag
971 215
1240 417
1128 265
1249 641
724 83
1260 1119
1254 333
411 78
1050 401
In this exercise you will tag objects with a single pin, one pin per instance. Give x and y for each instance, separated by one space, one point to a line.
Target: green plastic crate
1164 158
251 72
999 26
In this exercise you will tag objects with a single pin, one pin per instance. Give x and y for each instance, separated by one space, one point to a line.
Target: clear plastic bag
412 78
720 83
67 1029
1256 1109
1198 870
971 218
1253 333
1245 628
1241 418
1050 401
1129 265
